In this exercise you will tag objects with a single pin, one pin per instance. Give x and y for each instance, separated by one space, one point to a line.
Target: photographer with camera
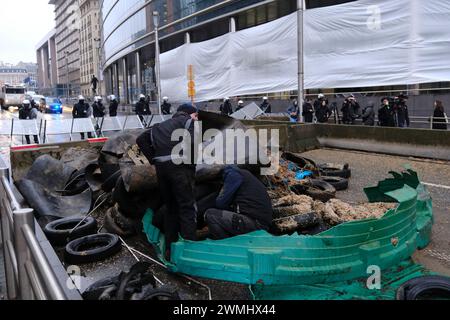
401 111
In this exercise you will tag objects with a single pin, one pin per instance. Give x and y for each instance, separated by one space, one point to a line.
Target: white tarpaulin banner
358 44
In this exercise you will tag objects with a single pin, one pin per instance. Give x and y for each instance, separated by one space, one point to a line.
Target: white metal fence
29 274
71 129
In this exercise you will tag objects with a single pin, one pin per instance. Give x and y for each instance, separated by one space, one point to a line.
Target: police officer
166 106
226 108
142 108
176 181
27 112
81 110
265 106
386 114
113 106
240 105
321 108
98 107
242 206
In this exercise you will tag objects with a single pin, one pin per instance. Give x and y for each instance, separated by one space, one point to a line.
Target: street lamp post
67 75
301 70
157 61
99 60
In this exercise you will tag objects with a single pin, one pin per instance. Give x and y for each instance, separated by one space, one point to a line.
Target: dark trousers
36 139
89 135
225 224
176 184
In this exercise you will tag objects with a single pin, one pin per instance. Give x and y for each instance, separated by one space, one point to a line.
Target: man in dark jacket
27 112
176 181
368 116
113 106
386 114
308 111
401 110
242 206
240 105
94 84
226 108
98 108
166 106
142 108
81 110
350 110
266 107
323 113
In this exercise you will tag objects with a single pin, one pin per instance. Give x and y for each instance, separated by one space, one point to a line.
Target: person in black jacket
386 114
226 108
81 110
401 110
27 112
439 117
242 206
98 108
266 107
113 106
350 110
323 112
308 111
142 108
176 181
166 106
240 105
368 116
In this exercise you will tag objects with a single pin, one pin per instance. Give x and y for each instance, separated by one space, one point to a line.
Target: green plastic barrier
358 289
339 254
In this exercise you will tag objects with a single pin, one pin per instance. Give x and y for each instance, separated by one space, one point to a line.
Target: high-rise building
89 44
47 74
67 40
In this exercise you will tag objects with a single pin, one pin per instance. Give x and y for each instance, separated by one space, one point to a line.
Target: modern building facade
67 41
47 73
12 75
89 44
128 35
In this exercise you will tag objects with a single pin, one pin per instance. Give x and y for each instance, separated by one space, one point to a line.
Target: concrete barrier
421 143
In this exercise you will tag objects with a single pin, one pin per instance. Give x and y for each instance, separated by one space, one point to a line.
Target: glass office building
128 38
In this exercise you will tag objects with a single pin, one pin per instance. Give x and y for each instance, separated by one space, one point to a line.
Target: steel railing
29 275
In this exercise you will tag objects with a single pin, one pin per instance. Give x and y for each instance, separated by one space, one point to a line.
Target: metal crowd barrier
29 275
47 129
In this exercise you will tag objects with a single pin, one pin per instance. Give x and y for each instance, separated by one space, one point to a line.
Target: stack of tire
81 241
326 180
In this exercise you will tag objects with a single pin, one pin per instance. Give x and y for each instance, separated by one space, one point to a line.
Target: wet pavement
368 169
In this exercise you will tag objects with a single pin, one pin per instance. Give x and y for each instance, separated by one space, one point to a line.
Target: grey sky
23 24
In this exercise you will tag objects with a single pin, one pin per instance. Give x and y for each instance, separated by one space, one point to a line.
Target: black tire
437 287
299 160
337 182
92 248
58 232
330 170
316 189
